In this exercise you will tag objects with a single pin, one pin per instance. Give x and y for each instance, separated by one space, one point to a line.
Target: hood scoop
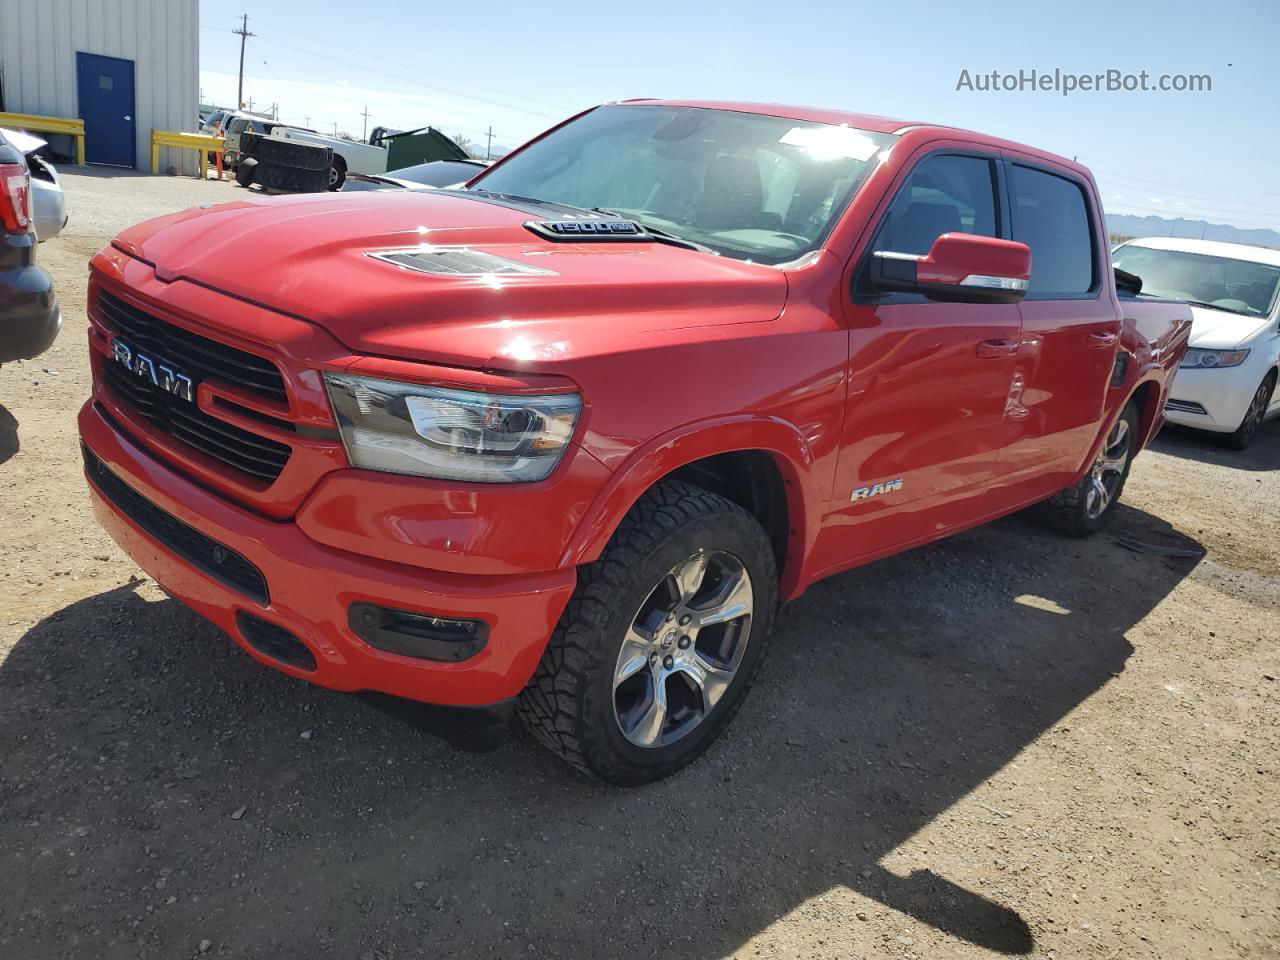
458 262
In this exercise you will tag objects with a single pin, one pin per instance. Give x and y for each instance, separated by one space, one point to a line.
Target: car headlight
1205 359
451 434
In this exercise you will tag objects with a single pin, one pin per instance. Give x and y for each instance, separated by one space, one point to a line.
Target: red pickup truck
558 442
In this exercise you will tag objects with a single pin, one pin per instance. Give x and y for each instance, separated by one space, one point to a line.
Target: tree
465 144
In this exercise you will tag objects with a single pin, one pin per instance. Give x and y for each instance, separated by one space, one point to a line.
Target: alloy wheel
1257 409
1108 470
683 649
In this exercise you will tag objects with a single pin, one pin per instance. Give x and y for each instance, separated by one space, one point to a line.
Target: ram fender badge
888 486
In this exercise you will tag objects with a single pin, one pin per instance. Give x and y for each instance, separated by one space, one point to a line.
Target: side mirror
959 268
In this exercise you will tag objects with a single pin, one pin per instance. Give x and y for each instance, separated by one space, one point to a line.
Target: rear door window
1051 216
945 193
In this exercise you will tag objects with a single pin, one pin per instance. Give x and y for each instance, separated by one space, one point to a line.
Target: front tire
1084 509
660 641
1248 429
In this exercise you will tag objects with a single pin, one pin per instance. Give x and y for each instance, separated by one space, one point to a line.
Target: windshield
747 186
1236 286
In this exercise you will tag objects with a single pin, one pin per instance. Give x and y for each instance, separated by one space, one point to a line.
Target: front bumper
1212 399
310 588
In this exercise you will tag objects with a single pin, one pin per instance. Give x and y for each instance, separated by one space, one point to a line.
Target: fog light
418 635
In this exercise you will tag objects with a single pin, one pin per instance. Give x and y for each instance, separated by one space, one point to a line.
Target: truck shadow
1202 447
134 734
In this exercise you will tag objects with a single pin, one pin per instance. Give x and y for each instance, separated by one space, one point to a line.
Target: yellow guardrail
30 121
201 142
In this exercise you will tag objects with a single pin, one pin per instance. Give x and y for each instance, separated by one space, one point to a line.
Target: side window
1051 217
945 193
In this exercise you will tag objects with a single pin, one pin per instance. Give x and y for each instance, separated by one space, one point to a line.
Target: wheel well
751 479
1147 399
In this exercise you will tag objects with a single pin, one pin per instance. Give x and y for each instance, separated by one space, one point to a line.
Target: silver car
48 202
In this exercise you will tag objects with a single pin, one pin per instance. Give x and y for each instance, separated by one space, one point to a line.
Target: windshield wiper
1214 306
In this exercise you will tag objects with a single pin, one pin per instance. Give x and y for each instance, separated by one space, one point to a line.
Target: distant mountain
1126 225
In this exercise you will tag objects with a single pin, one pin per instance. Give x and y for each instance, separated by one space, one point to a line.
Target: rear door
1070 332
104 86
928 381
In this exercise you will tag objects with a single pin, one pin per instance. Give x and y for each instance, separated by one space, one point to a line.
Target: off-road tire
568 706
1067 511
1252 422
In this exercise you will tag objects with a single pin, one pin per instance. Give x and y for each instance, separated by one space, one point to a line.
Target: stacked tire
284 165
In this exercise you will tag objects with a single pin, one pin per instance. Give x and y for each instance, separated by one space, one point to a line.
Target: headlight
451 434
1197 358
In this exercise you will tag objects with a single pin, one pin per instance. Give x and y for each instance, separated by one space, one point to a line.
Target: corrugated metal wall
38 44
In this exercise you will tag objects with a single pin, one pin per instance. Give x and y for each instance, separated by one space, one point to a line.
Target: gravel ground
1006 743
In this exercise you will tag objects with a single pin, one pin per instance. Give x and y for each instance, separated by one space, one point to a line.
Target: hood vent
458 262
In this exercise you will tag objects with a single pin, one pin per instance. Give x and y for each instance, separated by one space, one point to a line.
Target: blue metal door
105 88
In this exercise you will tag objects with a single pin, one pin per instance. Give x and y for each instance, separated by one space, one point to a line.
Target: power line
419 71
415 82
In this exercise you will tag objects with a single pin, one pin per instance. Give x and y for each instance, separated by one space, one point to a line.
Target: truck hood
310 257
1220 329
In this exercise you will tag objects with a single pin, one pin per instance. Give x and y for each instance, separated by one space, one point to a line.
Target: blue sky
518 67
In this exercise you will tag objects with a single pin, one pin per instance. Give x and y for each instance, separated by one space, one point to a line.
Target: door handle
1101 338
992 349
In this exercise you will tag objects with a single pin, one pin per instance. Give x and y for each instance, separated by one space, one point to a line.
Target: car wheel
1248 429
1084 509
337 173
246 172
660 641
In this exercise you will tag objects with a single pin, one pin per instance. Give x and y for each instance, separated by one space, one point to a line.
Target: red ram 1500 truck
559 441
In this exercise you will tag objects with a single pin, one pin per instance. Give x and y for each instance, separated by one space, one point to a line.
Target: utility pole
488 150
244 35
365 134
306 121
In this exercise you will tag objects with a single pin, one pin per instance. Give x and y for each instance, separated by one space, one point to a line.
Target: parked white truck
386 150
348 155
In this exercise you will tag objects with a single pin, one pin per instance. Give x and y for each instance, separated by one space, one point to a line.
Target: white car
1227 382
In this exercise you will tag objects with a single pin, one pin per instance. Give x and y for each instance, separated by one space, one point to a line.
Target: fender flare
1148 419
657 458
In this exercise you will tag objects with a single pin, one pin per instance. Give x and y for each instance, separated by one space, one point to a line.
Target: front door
928 382
105 89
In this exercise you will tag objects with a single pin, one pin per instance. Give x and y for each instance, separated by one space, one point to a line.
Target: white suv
1227 382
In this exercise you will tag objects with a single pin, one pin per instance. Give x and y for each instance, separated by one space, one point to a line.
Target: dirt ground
1006 743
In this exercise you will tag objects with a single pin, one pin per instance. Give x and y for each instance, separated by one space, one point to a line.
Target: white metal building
124 66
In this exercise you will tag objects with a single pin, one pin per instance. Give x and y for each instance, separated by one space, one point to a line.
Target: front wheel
1248 429
1084 509
660 642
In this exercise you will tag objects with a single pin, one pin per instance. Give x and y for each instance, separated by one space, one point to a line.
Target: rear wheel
661 640
337 173
1248 429
1085 508
246 172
